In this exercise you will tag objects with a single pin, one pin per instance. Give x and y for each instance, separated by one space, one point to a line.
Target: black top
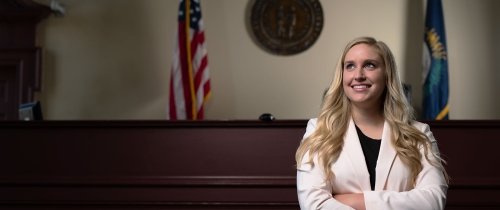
371 148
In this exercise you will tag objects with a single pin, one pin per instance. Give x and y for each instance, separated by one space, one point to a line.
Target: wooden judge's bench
200 165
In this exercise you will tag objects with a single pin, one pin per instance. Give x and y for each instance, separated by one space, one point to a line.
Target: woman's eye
370 66
349 66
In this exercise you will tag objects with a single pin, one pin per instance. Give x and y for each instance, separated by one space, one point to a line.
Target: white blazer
351 176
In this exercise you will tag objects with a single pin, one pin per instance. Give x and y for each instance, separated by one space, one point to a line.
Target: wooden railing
200 164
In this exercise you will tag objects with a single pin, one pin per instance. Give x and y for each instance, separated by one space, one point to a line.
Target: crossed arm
354 200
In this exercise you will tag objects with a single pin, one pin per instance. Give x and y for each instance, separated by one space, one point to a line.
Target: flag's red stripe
199 75
206 88
194 46
201 113
185 70
172 107
206 92
198 39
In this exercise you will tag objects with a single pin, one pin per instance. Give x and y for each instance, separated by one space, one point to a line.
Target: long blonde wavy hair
327 140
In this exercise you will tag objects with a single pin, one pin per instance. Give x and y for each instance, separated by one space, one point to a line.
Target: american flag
190 78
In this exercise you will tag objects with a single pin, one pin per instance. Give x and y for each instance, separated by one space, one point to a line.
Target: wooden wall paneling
200 165
471 150
149 165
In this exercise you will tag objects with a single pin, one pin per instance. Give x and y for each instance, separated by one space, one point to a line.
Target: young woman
365 150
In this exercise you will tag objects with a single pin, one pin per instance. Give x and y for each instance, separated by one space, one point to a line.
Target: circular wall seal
286 27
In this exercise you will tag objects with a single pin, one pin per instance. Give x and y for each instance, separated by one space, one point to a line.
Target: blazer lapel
352 147
386 158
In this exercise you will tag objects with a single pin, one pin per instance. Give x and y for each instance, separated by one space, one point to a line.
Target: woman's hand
355 200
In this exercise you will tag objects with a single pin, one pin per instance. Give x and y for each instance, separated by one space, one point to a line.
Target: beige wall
472 66
110 59
495 56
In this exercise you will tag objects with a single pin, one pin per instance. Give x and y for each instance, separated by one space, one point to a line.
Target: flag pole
189 60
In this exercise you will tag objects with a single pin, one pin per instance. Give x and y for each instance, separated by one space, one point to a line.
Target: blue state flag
435 57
